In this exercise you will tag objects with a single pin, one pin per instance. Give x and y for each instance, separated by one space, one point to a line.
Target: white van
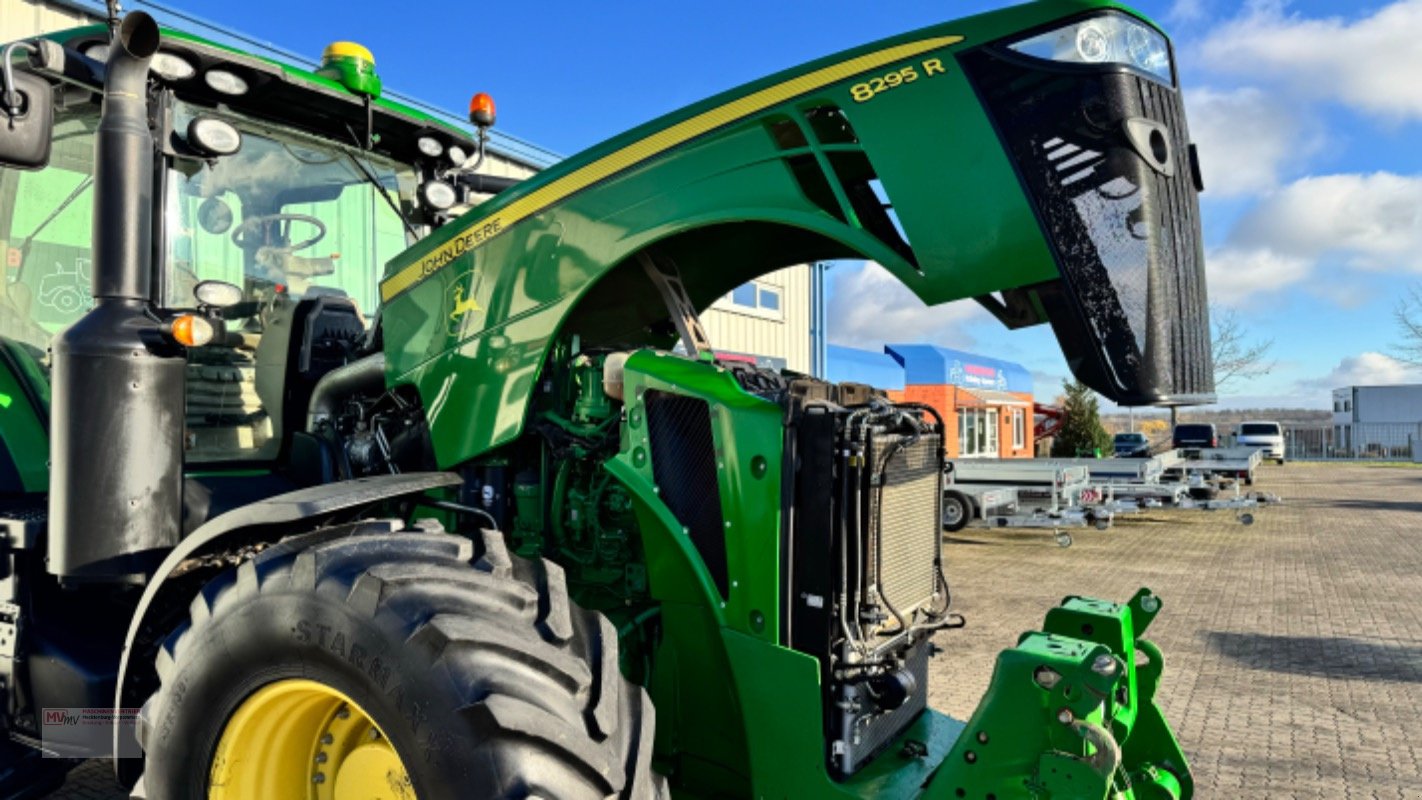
1267 436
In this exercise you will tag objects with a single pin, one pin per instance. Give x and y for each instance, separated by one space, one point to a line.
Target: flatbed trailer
996 495
1214 463
1175 479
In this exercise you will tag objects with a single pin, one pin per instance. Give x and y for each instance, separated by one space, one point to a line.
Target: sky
1307 115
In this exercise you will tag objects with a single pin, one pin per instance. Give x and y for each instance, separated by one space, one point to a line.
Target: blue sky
1307 115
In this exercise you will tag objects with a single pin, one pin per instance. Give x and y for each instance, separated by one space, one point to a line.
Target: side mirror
26 116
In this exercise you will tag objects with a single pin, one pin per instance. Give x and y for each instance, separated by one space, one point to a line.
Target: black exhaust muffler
118 382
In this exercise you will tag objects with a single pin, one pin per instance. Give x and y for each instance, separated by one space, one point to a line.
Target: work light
438 194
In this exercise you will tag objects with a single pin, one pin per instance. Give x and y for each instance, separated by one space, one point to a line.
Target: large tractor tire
394 664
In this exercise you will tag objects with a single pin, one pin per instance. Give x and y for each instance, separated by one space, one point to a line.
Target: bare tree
1237 355
1409 322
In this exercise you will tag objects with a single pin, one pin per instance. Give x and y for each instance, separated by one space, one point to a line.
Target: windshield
1130 438
1194 431
1259 429
288 216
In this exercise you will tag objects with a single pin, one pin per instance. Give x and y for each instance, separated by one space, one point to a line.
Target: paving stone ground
1293 648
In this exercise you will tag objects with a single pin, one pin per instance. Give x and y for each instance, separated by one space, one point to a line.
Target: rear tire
483 676
957 510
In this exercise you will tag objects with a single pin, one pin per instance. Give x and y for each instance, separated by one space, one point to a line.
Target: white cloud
1237 273
1367 369
868 306
1365 222
1372 221
1246 138
1373 63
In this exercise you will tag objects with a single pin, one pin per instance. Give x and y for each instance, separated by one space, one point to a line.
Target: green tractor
357 473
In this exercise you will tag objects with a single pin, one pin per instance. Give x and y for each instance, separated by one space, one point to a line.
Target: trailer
1016 493
1215 463
1174 479
986 506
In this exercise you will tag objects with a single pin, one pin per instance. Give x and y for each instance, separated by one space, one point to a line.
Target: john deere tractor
333 467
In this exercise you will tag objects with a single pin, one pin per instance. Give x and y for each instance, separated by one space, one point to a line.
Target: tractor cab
295 188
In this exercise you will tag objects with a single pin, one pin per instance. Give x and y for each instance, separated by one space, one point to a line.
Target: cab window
46 218
286 218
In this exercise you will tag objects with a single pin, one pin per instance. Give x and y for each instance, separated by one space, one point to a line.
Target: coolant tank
613 368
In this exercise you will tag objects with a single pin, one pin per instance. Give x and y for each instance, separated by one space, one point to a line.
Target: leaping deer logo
461 304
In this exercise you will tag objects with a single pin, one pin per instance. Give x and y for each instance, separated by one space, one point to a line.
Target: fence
1355 441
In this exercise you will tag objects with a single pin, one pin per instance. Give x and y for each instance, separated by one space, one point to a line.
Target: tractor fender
182 573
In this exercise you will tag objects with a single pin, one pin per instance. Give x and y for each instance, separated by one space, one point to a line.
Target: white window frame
1019 429
978 432
726 303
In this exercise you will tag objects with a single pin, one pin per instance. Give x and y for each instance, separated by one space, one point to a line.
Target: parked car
1195 435
1131 445
1267 436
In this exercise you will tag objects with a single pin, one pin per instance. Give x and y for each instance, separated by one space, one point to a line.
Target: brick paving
1293 650
1293 653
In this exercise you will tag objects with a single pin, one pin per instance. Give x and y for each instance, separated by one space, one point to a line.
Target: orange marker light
481 110
190 330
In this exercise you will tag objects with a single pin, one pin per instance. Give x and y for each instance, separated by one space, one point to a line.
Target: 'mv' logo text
60 716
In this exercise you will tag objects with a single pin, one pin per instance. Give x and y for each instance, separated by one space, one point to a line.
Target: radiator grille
904 512
1182 298
1127 237
684 467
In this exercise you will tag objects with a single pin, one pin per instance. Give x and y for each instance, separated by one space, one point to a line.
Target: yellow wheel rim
303 740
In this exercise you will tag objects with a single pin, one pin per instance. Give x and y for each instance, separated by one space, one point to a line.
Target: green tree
1081 430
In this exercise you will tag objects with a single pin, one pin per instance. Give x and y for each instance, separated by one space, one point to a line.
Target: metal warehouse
1370 420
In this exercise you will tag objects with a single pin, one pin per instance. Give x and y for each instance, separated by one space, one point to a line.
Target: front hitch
1071 713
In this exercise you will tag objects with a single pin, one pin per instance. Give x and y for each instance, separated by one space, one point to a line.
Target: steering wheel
239 234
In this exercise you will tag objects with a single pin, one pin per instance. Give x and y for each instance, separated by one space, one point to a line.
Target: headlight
226 82
457 155
438 194
430 146
213 136
1110 38
173 67
168 66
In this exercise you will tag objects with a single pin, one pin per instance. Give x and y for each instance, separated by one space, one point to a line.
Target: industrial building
987 404
1377 420
767 320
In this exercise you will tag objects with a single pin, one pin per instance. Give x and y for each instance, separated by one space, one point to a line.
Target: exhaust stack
118 384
